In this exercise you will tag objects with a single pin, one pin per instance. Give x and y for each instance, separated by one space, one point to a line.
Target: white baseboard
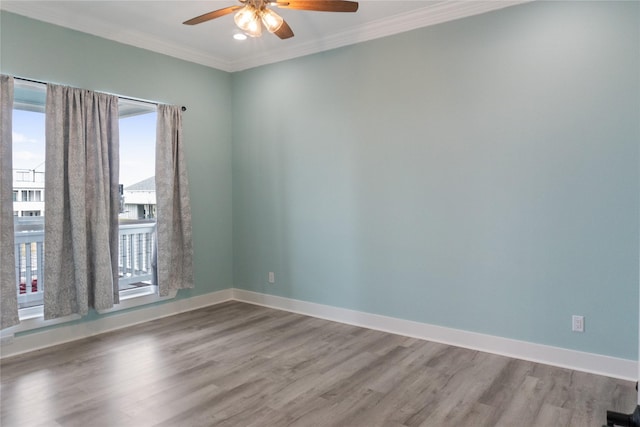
555 356
539 353
12 346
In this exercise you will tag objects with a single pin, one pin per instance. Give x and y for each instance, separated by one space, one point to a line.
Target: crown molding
434 13
52 15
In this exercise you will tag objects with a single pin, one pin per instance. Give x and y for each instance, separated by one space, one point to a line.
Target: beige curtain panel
8 290
81 198
174 235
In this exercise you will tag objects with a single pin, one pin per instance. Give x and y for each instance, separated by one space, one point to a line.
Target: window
22 176
138 211
32 195
28 201
137 197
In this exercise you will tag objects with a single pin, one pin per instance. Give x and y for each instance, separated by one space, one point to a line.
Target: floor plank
237 364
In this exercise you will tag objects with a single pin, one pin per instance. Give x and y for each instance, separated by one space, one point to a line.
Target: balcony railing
135 247
136 243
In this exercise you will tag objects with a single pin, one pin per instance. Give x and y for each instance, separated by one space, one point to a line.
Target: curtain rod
183 108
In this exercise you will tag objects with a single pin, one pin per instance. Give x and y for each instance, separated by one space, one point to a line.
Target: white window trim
33 317
136 297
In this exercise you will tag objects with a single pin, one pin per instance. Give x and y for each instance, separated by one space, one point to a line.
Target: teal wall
36 50
481 174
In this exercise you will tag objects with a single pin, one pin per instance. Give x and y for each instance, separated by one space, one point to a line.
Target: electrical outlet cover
577 323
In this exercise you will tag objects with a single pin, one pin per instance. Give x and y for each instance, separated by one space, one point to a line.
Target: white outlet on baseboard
577 323
272 277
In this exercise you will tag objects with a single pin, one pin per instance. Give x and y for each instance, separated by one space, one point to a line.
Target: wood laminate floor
237 364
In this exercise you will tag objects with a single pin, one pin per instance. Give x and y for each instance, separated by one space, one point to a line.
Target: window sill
33 317
137 297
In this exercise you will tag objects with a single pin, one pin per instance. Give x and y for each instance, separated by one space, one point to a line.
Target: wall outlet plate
577 323
272 277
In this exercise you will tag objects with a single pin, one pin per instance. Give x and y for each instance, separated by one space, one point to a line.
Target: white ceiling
157 25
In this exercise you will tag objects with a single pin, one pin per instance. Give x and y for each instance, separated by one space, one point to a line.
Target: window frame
33 317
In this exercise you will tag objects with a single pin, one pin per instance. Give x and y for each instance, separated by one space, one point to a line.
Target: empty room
319 213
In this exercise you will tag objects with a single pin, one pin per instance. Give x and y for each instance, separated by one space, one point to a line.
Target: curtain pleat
81 199
174 234
8 290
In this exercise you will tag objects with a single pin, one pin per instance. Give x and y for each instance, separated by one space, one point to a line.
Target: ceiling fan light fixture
271 20
255 28
251 15
248 21
244 16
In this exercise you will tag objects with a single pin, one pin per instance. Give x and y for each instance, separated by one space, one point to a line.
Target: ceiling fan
252 14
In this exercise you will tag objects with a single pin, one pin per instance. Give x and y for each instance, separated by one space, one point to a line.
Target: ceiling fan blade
212 15
318 5
284 32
